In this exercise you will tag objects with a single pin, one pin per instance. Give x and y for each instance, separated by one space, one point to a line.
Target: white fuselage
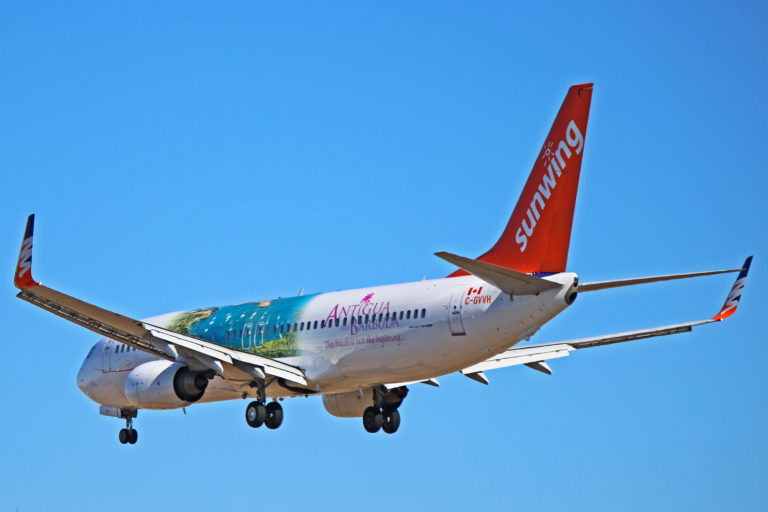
439 326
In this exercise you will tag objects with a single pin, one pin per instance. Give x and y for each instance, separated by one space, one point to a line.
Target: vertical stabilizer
538 233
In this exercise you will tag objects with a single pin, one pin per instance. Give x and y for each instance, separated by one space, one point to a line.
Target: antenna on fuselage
301 292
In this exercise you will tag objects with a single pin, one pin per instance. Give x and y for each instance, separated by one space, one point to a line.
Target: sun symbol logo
367 298
547 155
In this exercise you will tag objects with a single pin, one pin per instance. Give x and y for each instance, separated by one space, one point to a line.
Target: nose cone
86 376
82 378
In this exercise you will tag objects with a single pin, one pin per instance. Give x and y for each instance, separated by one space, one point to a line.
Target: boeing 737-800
361 349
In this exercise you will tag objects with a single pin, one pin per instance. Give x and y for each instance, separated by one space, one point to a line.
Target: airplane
361 349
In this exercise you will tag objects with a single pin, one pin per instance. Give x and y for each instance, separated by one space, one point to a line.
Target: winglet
732 302
22 278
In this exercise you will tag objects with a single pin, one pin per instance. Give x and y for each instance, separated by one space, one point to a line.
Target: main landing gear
258 414
387 419
128 435
383 414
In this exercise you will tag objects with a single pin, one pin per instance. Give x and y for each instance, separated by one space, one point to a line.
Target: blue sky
192 154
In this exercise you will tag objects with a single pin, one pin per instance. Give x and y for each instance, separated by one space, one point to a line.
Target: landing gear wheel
124 436
391 421
255 414
133 436
274 415
372 419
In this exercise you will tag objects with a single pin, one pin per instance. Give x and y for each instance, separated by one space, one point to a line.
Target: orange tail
538 233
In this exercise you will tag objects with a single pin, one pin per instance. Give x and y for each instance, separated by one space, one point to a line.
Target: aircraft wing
535 356
173 346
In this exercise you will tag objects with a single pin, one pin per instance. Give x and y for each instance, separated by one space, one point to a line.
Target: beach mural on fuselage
273 328
264 327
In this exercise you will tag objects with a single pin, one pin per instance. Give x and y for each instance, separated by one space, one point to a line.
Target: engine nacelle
348 405
165 385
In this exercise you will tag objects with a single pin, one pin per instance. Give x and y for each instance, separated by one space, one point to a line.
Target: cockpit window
93 349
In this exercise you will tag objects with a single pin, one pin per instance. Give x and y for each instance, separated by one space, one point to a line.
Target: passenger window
408 315
336 322
117 348
274 329
387 317
367 318
423 313
401 315
360 319
381 315
315 326
415 313
344 323
295 327
301 326
322 324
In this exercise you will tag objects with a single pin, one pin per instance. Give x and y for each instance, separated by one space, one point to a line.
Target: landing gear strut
383 414
128 435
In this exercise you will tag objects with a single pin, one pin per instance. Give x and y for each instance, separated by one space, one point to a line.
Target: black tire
391 421
123 436
274 415
372 419
255 414
133 436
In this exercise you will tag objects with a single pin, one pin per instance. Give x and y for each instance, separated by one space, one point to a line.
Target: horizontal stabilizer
507 280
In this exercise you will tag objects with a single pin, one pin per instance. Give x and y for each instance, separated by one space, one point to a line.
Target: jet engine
165 385
348 405
353 403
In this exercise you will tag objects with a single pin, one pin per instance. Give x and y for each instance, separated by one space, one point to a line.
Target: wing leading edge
194 352
534 356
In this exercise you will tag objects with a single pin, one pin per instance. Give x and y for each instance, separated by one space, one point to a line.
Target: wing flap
522 355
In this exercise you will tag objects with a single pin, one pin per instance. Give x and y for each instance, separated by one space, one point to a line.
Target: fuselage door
454 312
248 336
106 354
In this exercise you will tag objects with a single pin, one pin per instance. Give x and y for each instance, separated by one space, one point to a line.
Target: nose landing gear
128 435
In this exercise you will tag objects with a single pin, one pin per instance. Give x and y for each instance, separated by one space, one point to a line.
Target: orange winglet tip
22 278
732 302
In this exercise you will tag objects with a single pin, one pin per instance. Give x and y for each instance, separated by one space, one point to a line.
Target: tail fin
538 233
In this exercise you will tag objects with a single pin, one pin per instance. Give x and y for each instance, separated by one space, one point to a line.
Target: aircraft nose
87 371
82 380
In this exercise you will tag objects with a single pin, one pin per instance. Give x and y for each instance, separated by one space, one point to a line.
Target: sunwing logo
555 161
732 302
25 258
